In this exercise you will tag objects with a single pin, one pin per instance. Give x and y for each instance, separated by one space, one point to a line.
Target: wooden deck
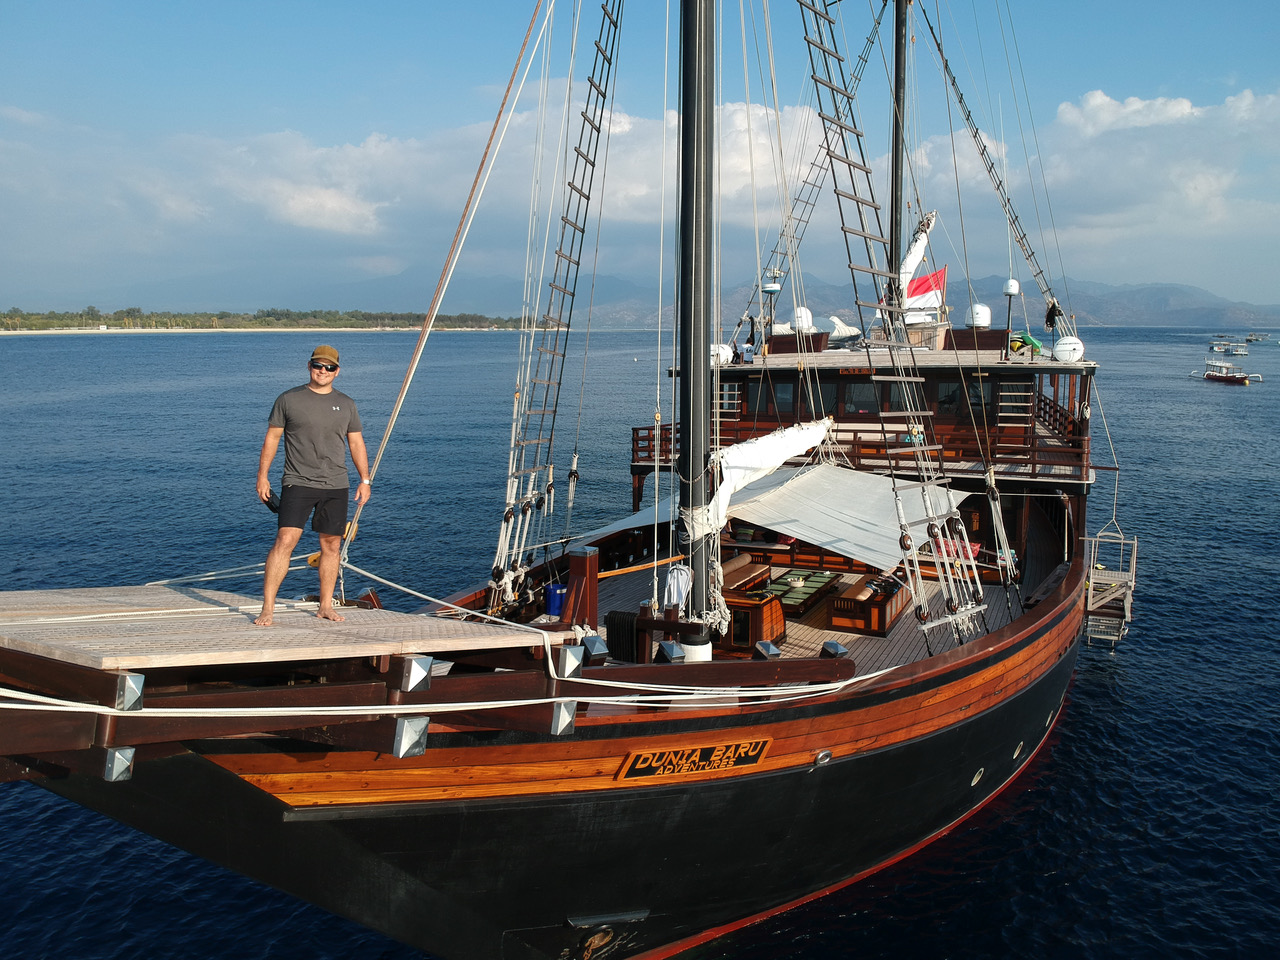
136 628
144 627
904 643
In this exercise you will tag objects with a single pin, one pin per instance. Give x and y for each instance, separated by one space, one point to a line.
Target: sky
229 155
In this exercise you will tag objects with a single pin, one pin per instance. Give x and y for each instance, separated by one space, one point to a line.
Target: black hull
530 879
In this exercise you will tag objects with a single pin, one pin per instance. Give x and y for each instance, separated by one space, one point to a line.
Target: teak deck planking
136 628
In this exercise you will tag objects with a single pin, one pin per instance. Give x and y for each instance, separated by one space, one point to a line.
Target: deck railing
1054 449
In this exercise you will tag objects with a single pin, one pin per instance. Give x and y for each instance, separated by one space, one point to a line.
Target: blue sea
1150 826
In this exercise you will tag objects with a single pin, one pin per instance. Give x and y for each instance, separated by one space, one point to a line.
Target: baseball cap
326 353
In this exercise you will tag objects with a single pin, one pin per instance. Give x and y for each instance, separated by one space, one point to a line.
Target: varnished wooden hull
478 850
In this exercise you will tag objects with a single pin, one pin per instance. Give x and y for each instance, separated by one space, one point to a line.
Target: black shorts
327 508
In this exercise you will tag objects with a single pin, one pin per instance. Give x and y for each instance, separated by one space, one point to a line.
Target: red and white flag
927 292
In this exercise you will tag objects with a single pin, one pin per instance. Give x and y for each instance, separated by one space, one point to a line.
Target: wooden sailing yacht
885 577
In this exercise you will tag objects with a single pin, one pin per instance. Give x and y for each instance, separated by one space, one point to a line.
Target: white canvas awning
841 510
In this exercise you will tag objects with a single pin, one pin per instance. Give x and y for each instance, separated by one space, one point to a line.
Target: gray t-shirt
315 436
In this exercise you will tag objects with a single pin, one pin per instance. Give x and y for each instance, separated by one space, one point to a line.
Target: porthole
1017 751
1049 719
977 776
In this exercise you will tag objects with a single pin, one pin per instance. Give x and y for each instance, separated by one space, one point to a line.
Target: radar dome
1069 350
978 317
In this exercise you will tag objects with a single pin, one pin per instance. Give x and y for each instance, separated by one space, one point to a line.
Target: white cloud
1164 190
1159 189
1098 113
18 115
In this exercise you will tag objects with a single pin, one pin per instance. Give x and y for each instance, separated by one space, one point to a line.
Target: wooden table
815 585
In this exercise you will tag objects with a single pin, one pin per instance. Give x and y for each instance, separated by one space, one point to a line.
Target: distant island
133 318
621 305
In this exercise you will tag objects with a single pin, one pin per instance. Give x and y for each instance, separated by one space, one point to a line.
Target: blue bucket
555 598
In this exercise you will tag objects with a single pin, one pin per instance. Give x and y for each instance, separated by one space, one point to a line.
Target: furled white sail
746 462
915 253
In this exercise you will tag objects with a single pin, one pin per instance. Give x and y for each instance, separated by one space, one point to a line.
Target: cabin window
860 398
900 397
784 397
771 398
950 398
821 400
740 629
979 394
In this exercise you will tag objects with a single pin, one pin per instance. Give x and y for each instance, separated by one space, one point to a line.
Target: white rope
657 694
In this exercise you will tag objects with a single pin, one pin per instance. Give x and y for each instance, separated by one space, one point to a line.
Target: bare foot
328 613
263 620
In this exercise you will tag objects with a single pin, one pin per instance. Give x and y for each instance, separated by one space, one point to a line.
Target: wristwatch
369 482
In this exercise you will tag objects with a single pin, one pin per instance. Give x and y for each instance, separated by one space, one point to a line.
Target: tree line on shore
133 318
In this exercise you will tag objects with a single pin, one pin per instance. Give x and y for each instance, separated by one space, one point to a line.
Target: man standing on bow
318 424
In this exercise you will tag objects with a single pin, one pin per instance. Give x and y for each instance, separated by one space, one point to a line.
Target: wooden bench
861 607
740 573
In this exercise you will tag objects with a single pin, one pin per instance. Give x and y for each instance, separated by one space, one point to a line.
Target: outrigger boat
855 629
1223 372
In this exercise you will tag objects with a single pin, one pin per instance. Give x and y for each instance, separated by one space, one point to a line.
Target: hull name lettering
682 761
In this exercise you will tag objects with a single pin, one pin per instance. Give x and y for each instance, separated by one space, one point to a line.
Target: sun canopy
841 510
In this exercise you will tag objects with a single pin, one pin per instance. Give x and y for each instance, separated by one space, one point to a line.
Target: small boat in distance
1224 372
1256 337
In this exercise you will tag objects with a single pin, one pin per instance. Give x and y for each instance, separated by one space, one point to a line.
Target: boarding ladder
1113 570
530 486
913 455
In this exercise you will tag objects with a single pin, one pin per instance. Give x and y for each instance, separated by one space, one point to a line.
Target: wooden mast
697 150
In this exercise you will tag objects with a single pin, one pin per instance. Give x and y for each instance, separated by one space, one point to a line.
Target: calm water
1151 827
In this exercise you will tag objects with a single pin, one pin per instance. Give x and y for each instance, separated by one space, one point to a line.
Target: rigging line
519 485
1035 201
591 294
978 378
1035 137
657 339
465 611
751 143
451 258
226 574
1115 492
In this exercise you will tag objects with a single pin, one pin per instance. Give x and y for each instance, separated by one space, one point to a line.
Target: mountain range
621 303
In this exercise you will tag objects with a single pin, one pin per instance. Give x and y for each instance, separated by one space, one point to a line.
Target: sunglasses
317 365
